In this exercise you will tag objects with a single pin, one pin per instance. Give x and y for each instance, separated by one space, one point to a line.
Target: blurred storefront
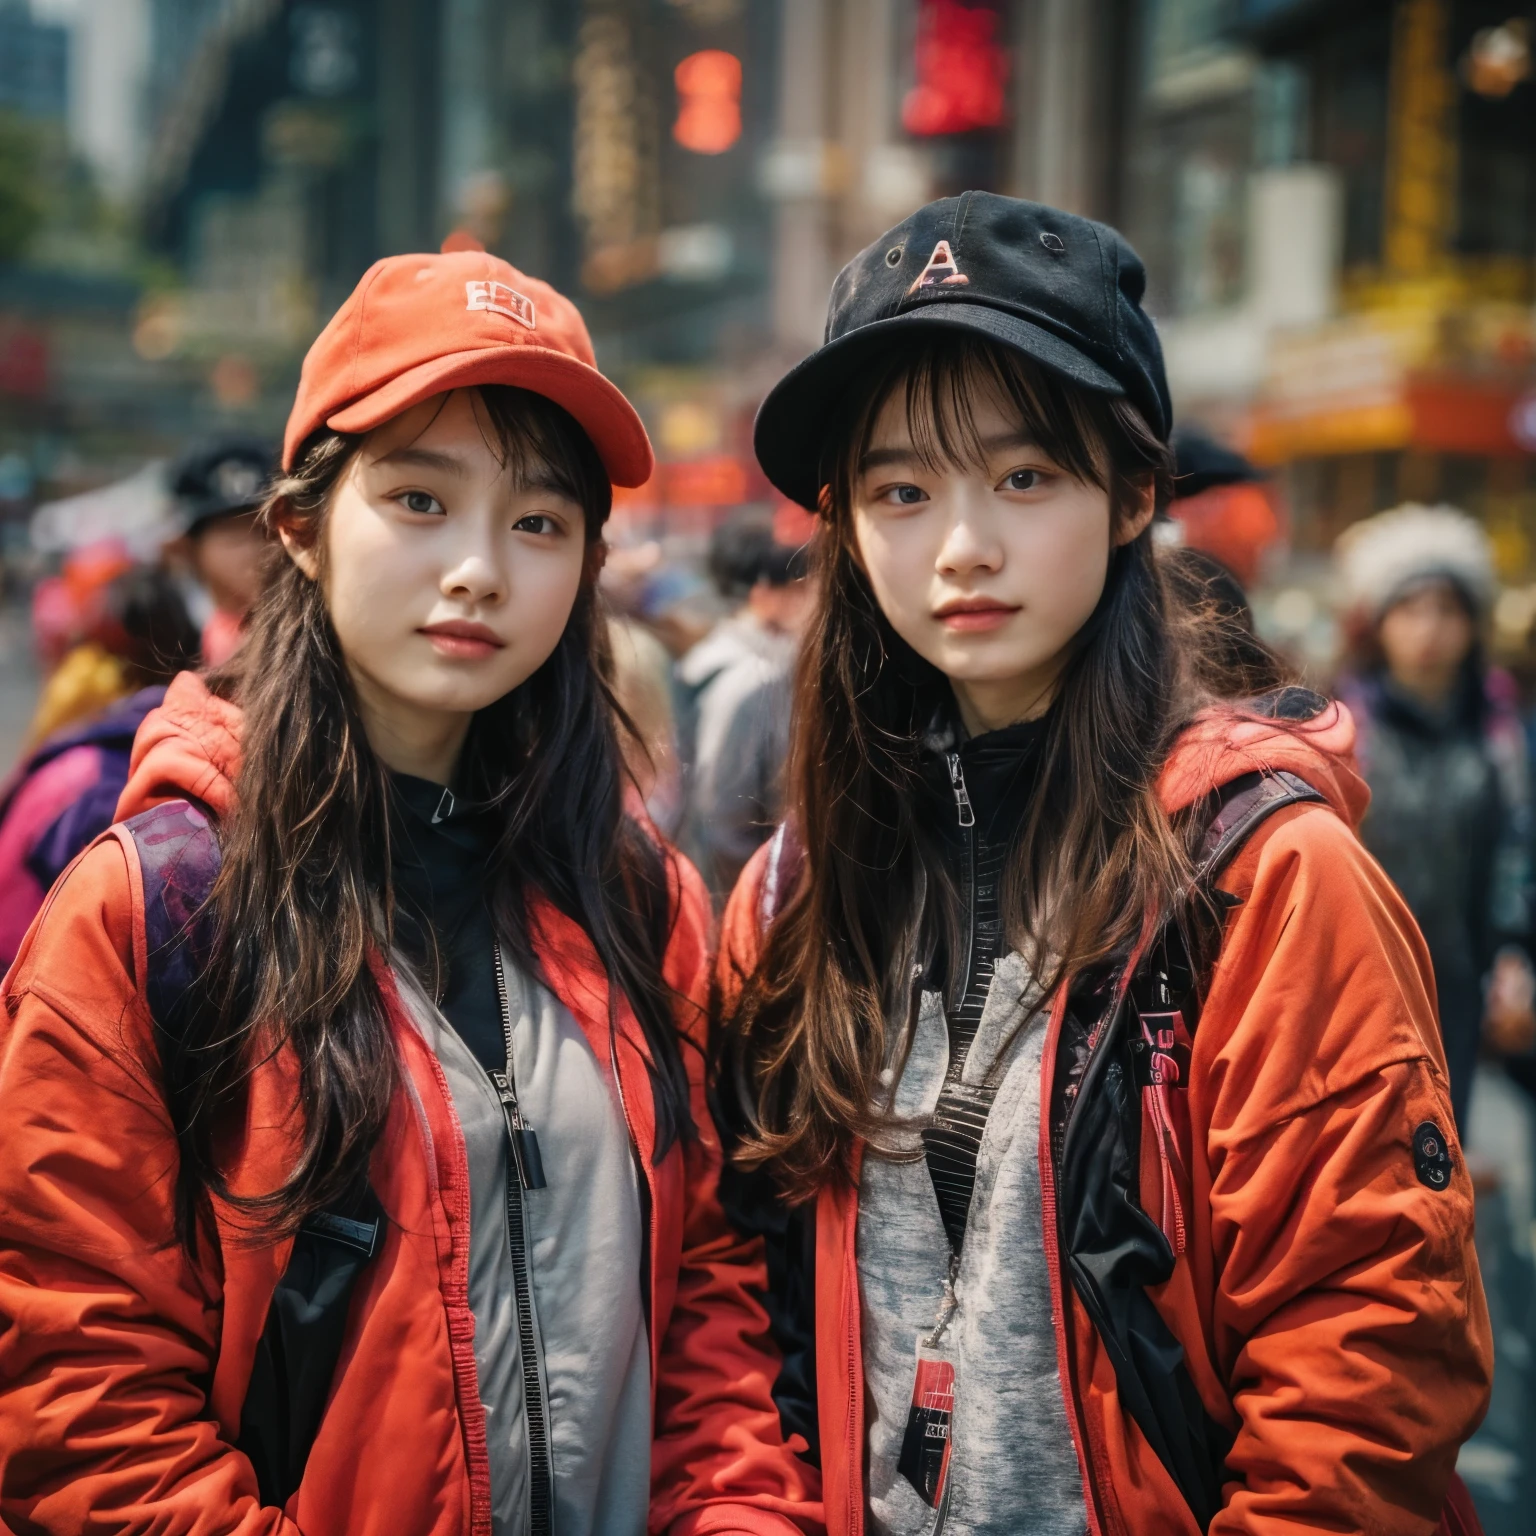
1339 207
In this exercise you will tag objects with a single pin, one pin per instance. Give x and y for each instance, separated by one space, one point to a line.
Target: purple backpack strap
1240 808
785 856
179 862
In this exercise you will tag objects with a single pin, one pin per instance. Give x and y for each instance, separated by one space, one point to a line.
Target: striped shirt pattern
952 1139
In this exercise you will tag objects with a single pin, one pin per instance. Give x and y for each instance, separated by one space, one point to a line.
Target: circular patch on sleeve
1431 1156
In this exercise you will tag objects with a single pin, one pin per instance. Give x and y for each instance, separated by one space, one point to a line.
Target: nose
970 542
475 575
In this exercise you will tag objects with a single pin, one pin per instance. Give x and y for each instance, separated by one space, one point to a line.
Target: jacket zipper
527 1172
967 815
963 805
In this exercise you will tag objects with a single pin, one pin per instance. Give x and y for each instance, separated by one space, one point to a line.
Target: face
1426 636
988 572
230 556
448 578
785 609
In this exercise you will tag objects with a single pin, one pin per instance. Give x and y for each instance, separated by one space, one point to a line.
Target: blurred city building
1335 204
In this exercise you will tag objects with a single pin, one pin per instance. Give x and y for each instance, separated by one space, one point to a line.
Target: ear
1134 522
594 561
305 556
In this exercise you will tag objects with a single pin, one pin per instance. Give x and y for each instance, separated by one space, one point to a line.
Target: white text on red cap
501 300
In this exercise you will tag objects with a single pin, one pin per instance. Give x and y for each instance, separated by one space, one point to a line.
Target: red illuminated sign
962 70
708 102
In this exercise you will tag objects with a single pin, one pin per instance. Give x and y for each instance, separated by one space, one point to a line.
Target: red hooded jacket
124 1365
1328 1303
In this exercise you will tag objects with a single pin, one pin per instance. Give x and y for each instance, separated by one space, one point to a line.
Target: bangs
949 381
542 446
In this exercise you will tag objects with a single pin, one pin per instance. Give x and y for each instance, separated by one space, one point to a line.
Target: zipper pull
526 1157
962 794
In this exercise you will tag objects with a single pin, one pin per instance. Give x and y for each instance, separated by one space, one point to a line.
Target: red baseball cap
417 326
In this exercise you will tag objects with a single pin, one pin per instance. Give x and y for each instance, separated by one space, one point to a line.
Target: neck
1431 688
990 706
423 743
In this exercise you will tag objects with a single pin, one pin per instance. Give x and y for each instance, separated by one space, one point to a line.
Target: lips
462 640
974 615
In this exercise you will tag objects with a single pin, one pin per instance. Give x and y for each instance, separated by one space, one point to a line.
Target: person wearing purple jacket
64 793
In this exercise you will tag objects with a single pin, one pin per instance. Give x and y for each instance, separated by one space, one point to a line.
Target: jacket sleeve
108 1334
1349 1325
720 1462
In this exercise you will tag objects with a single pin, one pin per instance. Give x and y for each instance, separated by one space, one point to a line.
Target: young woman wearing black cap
1077 1061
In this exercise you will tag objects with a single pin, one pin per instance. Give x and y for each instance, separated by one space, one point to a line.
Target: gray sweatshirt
1013 1467
586 1245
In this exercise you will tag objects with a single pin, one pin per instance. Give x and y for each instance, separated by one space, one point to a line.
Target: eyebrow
426 458
542 478
882 458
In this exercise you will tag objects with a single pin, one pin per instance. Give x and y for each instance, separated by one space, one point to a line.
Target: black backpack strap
1115 1250
301 1342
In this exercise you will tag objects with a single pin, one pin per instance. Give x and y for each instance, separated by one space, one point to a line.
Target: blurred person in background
81 675
1442 747
64 793
1221 504
736 686
642 685
1218 524
218 488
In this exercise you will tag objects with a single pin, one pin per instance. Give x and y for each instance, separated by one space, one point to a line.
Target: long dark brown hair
1096 856
304 897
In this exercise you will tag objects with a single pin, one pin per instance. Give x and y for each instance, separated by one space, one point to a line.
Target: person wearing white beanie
1442 746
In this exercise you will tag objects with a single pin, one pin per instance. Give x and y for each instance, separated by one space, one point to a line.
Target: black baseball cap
1200 464
222 478
1065 291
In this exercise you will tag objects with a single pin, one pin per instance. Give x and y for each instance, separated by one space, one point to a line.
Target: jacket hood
1224 743
189 747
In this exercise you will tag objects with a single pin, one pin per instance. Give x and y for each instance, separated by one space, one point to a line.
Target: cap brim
598 405
790 432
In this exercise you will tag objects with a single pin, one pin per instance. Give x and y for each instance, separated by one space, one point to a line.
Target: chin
981 664
453 695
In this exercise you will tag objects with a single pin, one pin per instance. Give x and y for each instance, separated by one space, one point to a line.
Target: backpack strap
179 861
785 856
1238 809
301 1341
1117 1250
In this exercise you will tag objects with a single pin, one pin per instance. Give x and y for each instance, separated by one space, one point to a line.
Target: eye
536 522
1024 480
905 495
423 504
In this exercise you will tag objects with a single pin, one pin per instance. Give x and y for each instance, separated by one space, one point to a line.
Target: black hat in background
221 479
1201 464
1062 290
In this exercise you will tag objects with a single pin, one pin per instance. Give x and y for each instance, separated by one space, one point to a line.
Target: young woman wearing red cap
356 1175
1079 1067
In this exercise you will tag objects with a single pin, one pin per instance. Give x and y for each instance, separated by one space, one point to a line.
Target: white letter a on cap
941 270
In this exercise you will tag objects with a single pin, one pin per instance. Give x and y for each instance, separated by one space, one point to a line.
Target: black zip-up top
981 793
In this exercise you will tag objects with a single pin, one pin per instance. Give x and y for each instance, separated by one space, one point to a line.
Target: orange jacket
1328 1303
123 1367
